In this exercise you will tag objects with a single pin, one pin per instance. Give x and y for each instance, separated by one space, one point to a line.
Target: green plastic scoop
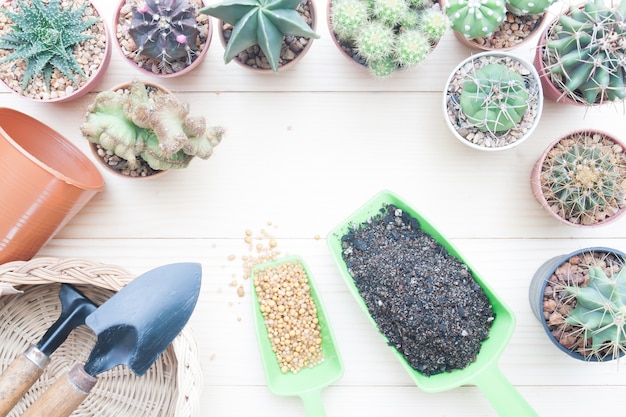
308 382
484 372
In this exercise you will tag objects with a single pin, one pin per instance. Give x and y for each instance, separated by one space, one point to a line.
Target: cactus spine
388 34
164 30
585 52
494 98
600 311
476 18
584 178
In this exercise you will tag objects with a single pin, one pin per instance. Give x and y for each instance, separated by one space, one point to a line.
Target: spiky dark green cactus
155 127
45 36
600 311
583 179
494 98
476 18
165 30
585 54
260 22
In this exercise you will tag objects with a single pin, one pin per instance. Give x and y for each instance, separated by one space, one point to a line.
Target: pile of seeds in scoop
423 299
290 315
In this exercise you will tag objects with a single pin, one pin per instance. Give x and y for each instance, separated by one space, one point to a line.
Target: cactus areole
165 30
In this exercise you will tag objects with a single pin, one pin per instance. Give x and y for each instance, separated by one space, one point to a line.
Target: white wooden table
303 150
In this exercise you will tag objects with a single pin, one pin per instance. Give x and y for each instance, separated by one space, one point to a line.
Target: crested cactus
494 98
475 18
388 34
45 35
528 7
600 312
151 125
164 30
260 22
585 55
584 178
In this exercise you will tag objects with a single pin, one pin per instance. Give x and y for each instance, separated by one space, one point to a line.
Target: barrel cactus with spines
494 98
600 312
476 18
388 34
164 30
585 55
584 179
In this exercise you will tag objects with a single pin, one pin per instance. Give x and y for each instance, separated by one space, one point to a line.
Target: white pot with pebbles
493 101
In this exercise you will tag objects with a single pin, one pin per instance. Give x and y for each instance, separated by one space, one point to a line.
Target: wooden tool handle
64 396
19 376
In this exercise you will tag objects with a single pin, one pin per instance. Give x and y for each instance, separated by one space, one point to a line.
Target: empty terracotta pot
46 180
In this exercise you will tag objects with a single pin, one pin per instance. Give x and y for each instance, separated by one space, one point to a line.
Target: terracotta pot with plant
142 129
496 25
579 300
163 38
265 36
580 179
51 52
493 101
580 56
46 181
388 36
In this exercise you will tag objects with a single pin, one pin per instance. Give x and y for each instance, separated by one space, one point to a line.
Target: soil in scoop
424 300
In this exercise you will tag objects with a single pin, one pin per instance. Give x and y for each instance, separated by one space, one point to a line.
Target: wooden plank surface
303 150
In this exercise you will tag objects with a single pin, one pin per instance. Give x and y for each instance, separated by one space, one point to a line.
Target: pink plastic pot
46 181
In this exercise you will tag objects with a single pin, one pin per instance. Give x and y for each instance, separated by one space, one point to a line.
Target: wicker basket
170 388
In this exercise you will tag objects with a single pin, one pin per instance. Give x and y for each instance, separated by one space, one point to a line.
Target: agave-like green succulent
45 36
260 22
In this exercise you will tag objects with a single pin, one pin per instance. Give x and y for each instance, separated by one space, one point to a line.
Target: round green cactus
600 311
434 24
348 17
494 98
583 179
412 47
585 53
375 41
476 18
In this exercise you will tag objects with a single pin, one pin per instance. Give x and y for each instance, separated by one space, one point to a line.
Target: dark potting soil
424 300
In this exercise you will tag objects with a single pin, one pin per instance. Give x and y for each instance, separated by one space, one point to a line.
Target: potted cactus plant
162 38
496 24
579 300
580 179
51 51
142 129
386 35
580 56
265 35
493 101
